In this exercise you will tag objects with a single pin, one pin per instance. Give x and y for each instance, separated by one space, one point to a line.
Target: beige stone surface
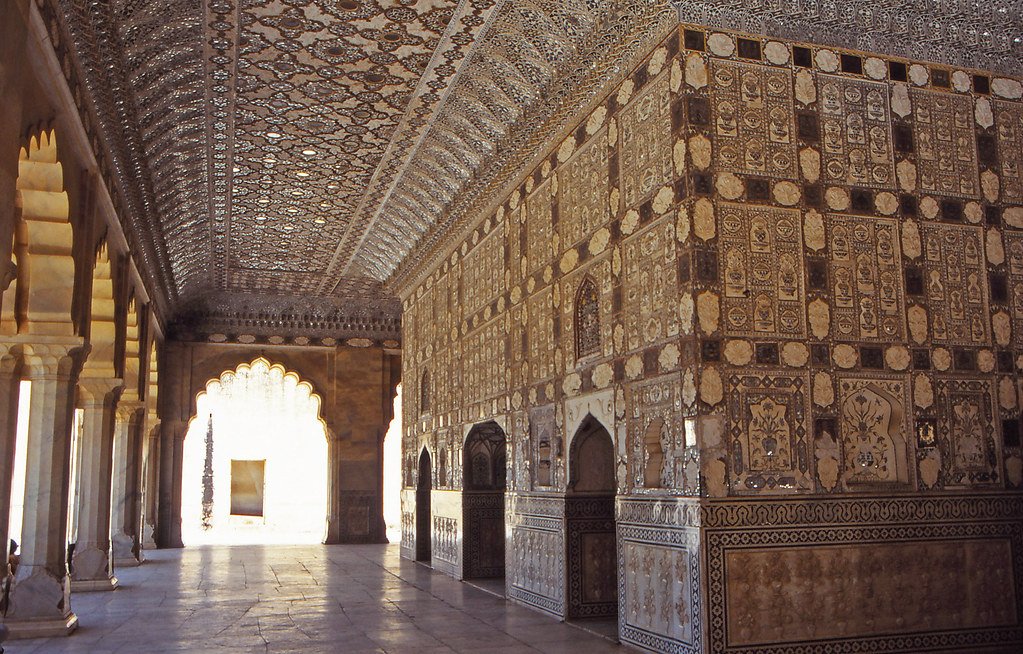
823 389
813 230
787 193
777 53
708 310
820 318
696 70
897 357
700 150
810 164
683 224
806 89
721 44
923 391
738 352
711 386
729 186
795 354
837 198
844 356
704 222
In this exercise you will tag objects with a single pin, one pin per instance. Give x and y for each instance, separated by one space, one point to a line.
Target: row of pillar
113 453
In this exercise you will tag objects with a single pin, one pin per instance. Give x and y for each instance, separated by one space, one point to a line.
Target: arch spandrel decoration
152 390
131 351
102 321
39 299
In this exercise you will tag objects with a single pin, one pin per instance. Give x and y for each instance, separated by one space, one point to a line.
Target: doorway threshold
494 586
606 628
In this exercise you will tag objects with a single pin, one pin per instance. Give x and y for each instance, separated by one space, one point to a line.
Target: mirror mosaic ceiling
318 148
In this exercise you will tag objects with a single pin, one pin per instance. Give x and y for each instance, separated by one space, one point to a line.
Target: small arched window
587 320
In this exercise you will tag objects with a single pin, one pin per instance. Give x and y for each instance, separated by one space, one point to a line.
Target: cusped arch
131 350
226 376
153 381
39 298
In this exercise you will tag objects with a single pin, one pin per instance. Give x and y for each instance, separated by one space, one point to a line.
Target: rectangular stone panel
540 343
944 143
866 279
767 416
955 283
967 432
650 286
1009 125
856 132
1014 261
761 263
657 435
583 191
657 589
645 149
539 227
811 593
874 427
753 119
482 275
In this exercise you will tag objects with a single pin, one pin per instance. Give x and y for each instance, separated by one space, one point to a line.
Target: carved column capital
98 391
128 408
54 358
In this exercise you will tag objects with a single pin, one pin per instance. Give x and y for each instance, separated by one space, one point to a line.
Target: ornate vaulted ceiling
308 151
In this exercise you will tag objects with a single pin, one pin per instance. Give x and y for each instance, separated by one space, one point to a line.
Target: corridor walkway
345 599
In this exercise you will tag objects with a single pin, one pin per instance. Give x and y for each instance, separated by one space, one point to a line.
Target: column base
21 629
131 562
148 537
93 585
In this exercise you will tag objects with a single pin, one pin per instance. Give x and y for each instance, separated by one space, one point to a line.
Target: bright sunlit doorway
255 465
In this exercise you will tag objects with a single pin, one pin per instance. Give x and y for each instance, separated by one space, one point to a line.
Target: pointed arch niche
255 464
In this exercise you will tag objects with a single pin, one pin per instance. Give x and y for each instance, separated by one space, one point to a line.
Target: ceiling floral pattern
324 148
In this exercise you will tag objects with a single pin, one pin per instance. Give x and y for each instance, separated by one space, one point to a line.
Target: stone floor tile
355 599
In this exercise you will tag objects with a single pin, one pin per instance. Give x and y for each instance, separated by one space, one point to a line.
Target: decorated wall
773 272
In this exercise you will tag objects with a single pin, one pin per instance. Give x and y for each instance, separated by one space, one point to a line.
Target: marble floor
351 599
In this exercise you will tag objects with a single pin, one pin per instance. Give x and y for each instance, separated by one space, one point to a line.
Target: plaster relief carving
874 426
946 151
866 272
956 283
753 124
767 427
856 141
646 154
761 271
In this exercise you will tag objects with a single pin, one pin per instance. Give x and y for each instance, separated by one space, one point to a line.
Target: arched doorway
424 486
255 461
484 471
590 523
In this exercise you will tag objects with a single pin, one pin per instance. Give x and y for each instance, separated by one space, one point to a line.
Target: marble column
150 481
172 450
333 535
40 601
123 502
92 567
10 387
13 30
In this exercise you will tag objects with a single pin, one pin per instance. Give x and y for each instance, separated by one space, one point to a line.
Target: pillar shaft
124 509
172 449
92 568
10 387
40 601
150 482
333 490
